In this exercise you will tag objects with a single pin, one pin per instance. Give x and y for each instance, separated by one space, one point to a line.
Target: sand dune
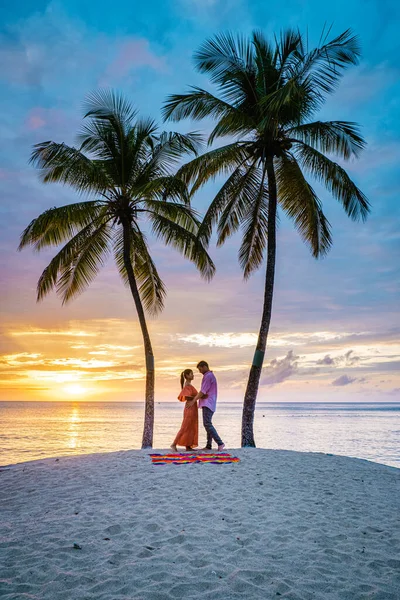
277 525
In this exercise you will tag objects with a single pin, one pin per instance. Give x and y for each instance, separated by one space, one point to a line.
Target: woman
188 435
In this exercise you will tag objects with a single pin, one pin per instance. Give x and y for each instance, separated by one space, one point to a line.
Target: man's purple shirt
209 387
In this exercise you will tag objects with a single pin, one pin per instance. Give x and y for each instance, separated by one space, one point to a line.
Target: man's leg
206 427
209 427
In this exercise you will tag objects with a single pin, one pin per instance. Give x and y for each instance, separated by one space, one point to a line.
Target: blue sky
51 56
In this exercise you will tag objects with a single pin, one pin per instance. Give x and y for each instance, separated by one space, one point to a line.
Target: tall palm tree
123 166
267 96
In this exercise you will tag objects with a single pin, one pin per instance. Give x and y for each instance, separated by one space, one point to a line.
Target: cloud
343 380
221 340
37 46
35 122
327 360
245 339
364 83
51 49
131 54
215 11
4 174
23 359
52 332
279 370
350 359
39 117
20 64
200 5
384 154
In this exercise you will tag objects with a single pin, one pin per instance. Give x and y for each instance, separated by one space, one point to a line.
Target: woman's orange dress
188 435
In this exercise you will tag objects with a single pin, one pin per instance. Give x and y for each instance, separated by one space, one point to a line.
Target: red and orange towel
219 458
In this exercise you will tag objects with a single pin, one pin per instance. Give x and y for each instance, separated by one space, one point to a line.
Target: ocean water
35 430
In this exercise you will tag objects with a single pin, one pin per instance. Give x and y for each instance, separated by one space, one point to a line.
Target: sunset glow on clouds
95 369
335 327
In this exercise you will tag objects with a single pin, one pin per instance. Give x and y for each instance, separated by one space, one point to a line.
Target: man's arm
194 399
205 386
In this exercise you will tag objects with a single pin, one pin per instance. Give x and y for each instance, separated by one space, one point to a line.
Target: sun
74 389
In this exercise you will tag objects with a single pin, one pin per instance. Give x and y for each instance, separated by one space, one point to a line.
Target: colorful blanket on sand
186 458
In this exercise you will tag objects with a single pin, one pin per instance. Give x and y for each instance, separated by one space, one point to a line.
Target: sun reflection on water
74 427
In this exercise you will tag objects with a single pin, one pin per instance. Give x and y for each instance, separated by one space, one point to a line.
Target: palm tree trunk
250 397
147 440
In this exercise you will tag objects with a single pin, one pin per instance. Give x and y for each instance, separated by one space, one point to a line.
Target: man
207 398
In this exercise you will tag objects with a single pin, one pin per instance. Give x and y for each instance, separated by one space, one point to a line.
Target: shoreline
235 402
148 451
279 523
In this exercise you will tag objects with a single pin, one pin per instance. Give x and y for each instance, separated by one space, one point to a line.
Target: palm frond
301 204
229 60
232 124
324 66
64 260
239 196
212 163
289 48
111 119
181 214
57 225
109 105
65 164
223 55
162 188
336 180
151 288
239 186
342 138
255 226
291 103
141 141
188 244
177 144
197 104
109 149
168 150
265 61
89 257
104 146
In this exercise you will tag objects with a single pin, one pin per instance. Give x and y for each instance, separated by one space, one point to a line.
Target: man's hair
202 363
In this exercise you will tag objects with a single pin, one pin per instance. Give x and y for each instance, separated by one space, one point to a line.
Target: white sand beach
278 524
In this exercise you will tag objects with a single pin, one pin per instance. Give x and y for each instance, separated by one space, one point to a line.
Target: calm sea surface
34 430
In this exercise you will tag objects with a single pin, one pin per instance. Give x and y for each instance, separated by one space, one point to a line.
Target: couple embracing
188 435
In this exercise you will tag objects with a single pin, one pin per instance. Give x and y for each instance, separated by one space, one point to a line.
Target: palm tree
124 165
267 97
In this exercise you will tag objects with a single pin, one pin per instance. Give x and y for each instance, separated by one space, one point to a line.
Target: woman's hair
183 376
